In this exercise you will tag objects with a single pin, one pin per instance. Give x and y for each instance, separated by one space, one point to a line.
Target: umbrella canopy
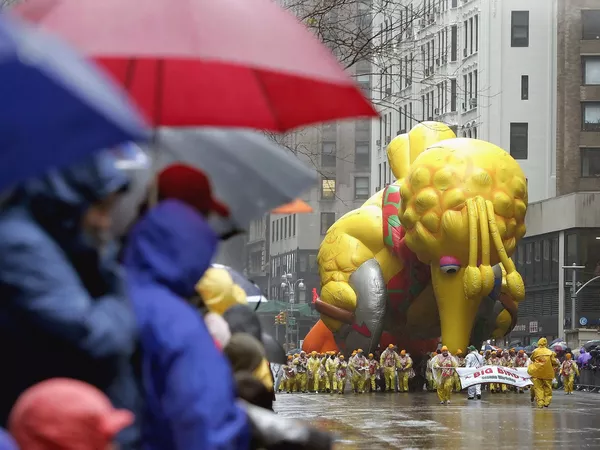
493 348
559 346
56 107
298 206
248 172
253 294
205 62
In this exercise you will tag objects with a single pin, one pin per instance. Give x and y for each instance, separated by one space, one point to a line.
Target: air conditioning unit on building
426 72
465 52
473 102
436 111
378 142
464 106
387 140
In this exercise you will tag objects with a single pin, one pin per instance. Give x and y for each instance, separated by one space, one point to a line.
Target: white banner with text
470 376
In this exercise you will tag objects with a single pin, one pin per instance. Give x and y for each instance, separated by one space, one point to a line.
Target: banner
470 376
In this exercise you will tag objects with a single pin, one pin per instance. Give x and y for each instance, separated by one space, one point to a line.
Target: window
454 3
475 133
363 125
519 30
273 228
384 173
554 252
465 89
280 228
290 218
528 263
328 158
361 157
453 95
590 112
591 24
546 261
327 219
454 43
361 187
524 87
471 36
537 264
590 162
477 33
364 81
519 140
294 227
328 188
285 227
466 34
590 69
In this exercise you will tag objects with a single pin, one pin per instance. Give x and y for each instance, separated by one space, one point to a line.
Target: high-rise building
565 231
486 68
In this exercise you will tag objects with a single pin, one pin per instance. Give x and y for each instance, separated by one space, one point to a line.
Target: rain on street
417 421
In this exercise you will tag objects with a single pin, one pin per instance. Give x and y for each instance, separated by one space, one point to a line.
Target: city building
566 230
486 68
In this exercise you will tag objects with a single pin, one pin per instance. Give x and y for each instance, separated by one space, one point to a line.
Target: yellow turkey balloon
428 257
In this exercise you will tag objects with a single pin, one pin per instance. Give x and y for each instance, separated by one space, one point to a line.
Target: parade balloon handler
568 371
474 360
542 371
443 370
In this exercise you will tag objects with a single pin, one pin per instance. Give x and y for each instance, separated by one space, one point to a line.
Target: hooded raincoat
188 383
64 311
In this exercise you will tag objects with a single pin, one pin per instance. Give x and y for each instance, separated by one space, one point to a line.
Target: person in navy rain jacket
64 311
187 381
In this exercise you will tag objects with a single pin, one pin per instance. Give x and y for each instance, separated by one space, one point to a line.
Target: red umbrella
244 63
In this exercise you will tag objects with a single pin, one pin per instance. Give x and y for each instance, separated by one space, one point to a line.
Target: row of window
519 30
329 154
537 261
301 261
328 188
283 228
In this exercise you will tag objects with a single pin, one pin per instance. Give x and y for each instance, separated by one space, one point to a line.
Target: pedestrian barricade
589 379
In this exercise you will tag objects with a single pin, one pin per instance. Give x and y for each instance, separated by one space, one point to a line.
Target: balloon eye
450 268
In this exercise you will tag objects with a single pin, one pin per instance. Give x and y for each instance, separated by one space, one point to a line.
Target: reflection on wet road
417 421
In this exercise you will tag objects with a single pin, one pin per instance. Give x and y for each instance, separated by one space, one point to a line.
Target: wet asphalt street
418 421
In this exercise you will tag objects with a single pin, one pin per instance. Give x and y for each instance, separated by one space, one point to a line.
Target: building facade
484 67
566 230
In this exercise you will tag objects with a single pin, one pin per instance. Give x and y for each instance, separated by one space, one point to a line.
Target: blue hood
59 199
171 245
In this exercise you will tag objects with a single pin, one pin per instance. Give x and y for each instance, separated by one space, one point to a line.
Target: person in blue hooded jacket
64 310
188 383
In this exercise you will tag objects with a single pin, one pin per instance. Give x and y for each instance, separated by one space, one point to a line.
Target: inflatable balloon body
428 256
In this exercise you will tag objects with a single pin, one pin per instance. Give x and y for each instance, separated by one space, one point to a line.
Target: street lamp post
286 283
574 267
